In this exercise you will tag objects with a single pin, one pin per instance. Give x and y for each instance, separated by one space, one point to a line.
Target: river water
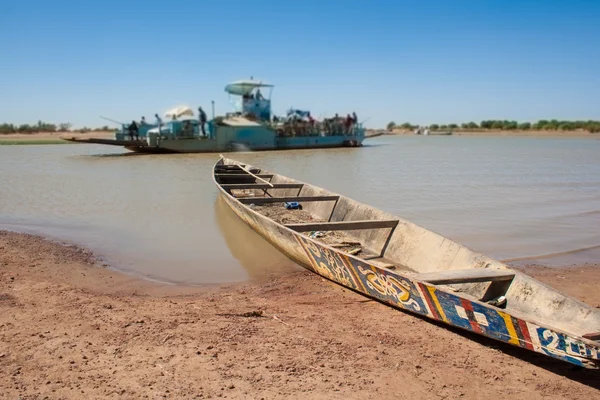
159 216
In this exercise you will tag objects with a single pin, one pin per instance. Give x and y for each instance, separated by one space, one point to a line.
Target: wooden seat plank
230 186
286 199
342 225
219 175
466 276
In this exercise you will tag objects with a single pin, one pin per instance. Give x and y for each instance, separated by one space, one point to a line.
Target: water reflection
258 258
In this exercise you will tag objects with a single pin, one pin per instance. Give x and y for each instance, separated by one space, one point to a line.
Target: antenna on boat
112 120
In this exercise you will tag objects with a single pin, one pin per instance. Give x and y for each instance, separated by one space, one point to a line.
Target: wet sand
71 328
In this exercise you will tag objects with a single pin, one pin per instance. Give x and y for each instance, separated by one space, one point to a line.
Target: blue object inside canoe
294 205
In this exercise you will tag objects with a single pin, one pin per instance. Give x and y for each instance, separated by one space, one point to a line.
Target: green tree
525 126
391 125
497 124
6 129
64 127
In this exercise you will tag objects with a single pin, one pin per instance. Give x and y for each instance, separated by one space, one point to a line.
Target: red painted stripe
525 332
429 301
468 307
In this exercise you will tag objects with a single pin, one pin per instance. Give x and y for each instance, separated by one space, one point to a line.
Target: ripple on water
158 215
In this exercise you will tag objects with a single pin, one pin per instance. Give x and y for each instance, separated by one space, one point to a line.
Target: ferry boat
250 127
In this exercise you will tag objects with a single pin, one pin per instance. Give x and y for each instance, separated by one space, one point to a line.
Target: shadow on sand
588 377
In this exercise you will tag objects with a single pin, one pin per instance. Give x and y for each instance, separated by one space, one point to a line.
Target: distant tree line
545 125
42 126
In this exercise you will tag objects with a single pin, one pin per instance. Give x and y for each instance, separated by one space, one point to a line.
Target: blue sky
419 61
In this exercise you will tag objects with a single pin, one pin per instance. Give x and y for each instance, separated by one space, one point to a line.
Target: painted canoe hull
402 291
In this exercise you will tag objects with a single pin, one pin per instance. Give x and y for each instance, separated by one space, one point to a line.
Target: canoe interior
388 242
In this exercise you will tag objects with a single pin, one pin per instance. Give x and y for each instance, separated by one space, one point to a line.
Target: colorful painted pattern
430 301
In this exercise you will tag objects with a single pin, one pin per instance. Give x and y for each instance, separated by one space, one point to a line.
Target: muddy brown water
159 216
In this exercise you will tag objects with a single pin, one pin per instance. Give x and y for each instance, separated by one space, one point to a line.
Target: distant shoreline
56 137
499 132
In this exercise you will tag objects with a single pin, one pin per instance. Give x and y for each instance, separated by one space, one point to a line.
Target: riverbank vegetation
41 126
506 125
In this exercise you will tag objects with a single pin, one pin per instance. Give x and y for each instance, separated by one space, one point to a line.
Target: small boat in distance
428 132
409 267
250 127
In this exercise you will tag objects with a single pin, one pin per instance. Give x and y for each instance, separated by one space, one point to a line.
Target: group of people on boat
133 129
299 123
253 96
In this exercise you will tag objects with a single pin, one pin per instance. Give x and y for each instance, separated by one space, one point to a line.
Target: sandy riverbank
51 137
71 328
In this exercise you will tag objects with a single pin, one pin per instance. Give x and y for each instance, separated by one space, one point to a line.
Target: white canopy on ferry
244 87
179 111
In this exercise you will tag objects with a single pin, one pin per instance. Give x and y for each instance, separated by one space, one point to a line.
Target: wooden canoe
409 267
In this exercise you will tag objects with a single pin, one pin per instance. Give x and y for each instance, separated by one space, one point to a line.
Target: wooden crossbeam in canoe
299 199
466 276
230 186
256 176
228 167
218 175
343 225
230 170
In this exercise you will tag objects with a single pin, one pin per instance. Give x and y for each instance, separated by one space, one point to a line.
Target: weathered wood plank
256 176
379 262
299 199
466 276
228 166
230 186
218 175
343 225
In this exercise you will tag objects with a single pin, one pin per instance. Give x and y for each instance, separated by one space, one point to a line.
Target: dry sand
56 135
72 329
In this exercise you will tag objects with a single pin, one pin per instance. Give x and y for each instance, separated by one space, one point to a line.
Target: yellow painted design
437 303
389 286
352 270
514 338
328 264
